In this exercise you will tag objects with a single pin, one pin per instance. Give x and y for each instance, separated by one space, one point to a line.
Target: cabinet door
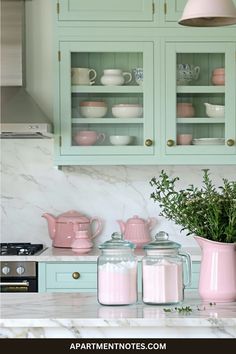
200 112
133 129
105 10
174 10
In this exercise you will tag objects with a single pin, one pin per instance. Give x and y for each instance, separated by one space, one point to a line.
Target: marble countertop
53 254
82 309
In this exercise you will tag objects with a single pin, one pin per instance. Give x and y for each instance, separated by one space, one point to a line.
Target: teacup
81 76
184 139
88 137
185 73
138 76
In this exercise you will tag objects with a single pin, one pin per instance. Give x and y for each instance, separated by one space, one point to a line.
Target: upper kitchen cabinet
105 10
200 101
106 115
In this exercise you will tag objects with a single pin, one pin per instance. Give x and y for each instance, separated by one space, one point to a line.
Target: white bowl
121 139
127 111
215 111
93 111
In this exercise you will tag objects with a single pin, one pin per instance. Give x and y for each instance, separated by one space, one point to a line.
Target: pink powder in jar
117 283
162 282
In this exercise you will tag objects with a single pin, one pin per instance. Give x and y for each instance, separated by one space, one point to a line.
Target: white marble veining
80 315
52 254
31 185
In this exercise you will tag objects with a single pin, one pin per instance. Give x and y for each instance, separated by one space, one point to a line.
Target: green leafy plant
208 211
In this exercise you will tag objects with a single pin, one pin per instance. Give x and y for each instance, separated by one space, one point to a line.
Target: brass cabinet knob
170 142
75 275
148 142
230 142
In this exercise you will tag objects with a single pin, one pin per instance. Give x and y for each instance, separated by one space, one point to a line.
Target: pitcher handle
127 74
99 226
91 79
188 262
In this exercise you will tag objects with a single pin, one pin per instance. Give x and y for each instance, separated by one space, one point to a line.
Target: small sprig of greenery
182 310
207 212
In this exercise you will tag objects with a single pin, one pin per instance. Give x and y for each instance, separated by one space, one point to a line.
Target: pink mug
88 137
184 139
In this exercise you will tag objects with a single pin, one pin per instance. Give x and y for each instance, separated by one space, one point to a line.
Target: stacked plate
208 141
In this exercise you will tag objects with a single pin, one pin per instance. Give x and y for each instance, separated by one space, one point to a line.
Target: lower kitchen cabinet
82 276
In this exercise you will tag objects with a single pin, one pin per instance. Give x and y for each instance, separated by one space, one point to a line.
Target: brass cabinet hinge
153 8
59 55
165 8
60 141
58 8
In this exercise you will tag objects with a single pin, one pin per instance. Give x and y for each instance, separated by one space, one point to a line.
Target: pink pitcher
218 271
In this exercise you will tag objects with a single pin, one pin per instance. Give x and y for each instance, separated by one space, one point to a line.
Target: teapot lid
162 242
117 242
136 220
72 216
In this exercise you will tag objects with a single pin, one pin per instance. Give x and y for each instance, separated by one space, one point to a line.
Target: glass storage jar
163 271
117 272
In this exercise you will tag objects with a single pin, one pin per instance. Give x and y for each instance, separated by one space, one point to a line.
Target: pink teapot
61 229
137 230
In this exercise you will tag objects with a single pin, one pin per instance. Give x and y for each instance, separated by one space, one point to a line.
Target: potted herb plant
209 214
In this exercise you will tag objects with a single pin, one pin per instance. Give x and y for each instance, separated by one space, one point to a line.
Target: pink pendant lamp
208 13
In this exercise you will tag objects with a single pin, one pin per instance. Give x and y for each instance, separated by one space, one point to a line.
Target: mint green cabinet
84 38
213 129
67 277
105 10
100 56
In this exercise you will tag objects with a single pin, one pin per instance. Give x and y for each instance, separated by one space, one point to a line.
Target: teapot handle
196 72
187 260
151 222
99 226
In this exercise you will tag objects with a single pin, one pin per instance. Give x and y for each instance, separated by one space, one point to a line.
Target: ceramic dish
93 109
127 111
121 139
208 141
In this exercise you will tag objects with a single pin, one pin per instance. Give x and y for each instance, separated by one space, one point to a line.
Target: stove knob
6 270
20 270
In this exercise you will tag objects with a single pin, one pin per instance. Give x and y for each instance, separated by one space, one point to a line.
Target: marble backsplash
31 185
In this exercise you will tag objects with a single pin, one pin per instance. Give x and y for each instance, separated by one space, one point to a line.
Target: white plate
208 141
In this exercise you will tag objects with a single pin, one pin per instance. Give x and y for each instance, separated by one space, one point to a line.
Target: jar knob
117 236
162 236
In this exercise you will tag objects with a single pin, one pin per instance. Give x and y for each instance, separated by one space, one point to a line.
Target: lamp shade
208 13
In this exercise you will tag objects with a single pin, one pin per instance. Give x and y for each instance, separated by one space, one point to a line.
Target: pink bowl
184 139
185 110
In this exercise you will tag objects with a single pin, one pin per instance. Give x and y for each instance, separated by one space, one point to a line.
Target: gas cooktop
20 249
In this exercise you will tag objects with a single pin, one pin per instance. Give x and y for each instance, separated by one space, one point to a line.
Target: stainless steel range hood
21 117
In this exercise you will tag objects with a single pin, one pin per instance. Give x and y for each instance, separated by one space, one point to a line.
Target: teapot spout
51 224
122 225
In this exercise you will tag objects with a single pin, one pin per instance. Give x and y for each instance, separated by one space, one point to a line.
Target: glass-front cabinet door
200 98
106 91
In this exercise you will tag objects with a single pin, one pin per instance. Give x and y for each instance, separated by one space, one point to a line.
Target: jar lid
117 242
162 242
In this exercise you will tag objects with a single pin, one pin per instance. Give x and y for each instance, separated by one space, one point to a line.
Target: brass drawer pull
170 142
75 275
148 142
230 142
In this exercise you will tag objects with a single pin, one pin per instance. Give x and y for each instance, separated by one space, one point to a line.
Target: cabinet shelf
106 89
107 120
200 89
198 120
